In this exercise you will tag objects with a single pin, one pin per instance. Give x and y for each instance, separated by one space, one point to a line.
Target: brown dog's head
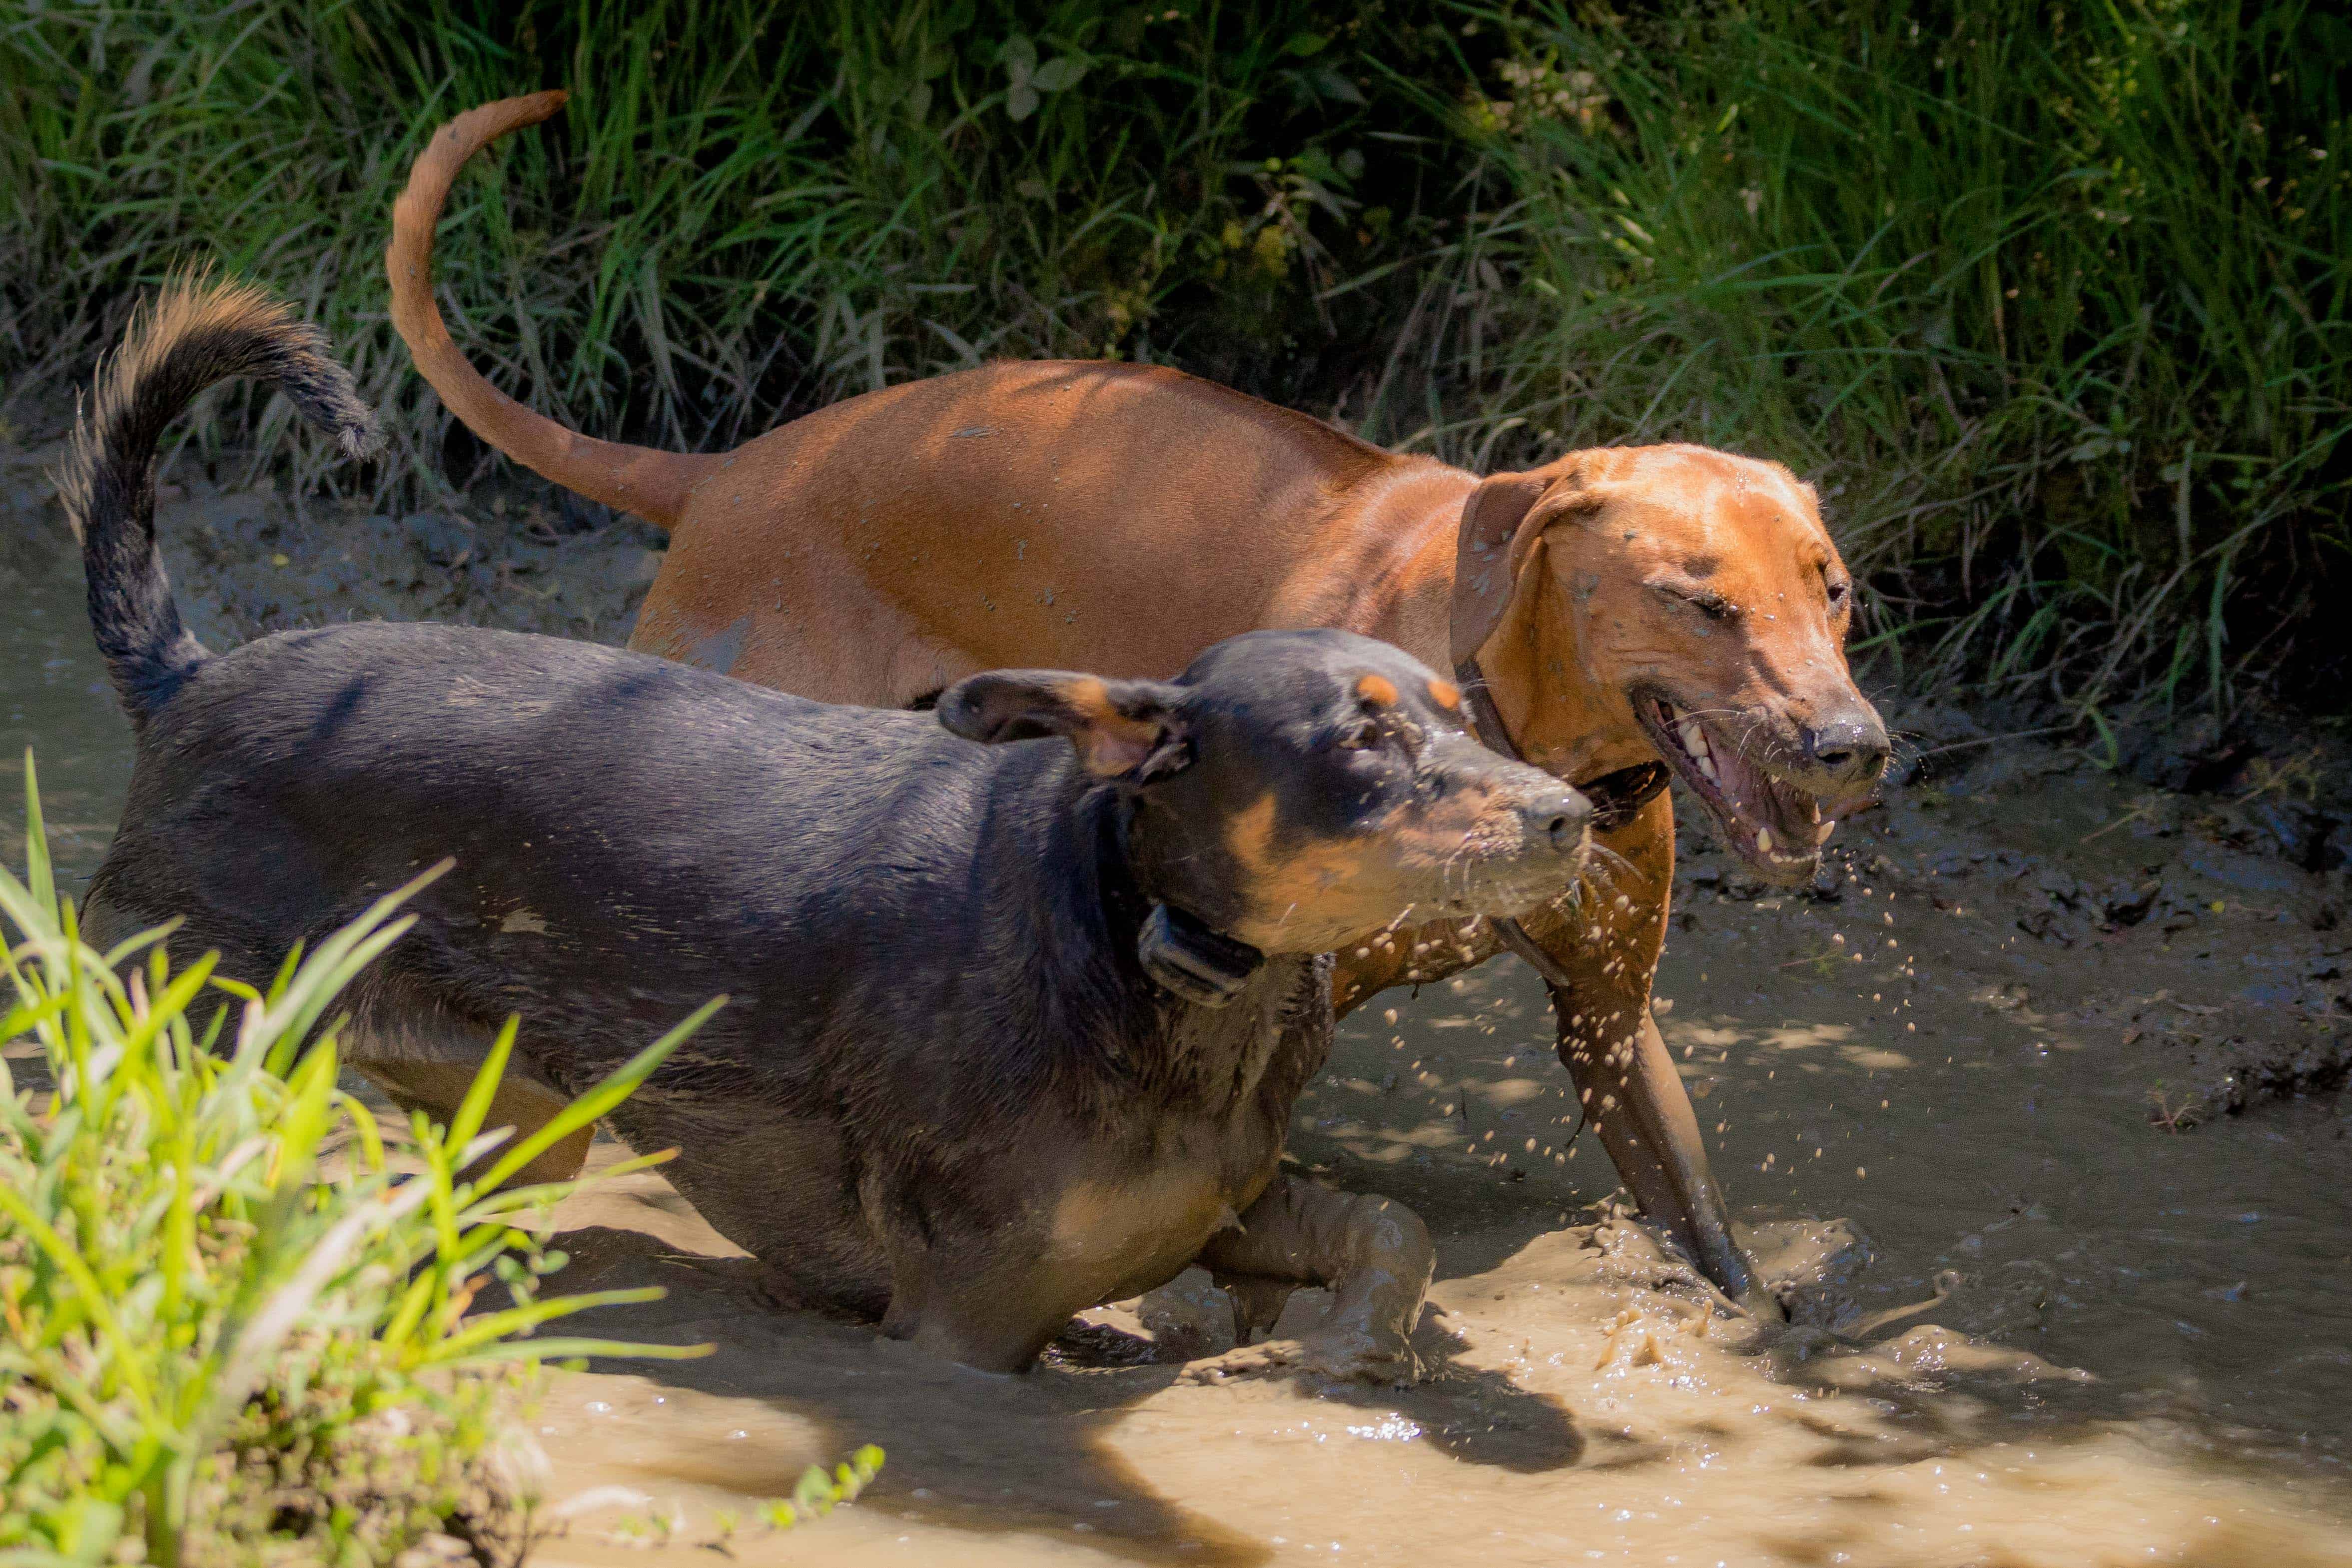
1688 597
1302 790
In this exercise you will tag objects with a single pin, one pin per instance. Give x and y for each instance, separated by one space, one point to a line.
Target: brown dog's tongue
1744 788
1838 808
1757 800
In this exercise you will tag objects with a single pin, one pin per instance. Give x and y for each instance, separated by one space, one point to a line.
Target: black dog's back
909 927
696 833
600 787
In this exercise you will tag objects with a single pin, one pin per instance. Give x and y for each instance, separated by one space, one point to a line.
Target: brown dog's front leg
1373 1255
1597 963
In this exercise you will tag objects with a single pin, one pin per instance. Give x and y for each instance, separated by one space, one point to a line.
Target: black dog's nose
1852 747
1562 816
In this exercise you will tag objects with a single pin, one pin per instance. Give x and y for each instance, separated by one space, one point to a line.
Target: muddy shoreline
2069 1042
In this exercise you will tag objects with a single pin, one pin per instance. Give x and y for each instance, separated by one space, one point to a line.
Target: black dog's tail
193 334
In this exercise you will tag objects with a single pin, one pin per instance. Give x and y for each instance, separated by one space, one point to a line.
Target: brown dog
1613 608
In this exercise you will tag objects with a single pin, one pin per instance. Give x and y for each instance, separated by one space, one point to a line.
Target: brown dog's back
1118 517
1006 525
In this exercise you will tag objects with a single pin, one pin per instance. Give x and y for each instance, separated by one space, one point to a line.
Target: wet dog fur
1013 1028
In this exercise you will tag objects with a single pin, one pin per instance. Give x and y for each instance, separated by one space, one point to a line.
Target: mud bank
2052 1048
245 562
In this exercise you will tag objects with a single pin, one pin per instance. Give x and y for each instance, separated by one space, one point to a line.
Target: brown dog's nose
1851 748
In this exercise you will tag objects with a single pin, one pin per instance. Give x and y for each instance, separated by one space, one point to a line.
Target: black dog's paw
1082 1346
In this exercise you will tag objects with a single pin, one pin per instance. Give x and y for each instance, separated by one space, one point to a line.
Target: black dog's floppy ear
1122 728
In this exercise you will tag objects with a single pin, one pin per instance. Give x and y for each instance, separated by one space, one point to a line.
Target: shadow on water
1583 1361
993 1455
958 1434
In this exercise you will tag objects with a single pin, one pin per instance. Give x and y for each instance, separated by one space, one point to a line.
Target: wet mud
245 562
2053 1056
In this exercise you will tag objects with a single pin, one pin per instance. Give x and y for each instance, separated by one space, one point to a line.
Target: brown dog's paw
1355 1355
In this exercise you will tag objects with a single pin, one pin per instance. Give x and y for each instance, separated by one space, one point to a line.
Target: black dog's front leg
1374 1256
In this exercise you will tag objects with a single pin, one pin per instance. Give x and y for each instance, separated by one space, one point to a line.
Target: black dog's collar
1615 797
1186 959
1183 955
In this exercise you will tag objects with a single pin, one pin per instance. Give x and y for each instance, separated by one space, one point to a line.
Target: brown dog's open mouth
1775 827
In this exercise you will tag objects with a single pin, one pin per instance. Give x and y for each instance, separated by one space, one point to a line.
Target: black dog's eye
1360 736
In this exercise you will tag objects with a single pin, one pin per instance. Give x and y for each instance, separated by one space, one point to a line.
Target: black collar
1182 954
1616 797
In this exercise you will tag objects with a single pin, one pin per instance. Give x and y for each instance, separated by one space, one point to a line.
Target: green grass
2051 301
234 1332
749 208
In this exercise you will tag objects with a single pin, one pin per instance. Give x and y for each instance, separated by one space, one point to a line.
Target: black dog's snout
1853 747
1561 815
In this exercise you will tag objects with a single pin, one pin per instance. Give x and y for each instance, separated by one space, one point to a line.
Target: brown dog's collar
1616 797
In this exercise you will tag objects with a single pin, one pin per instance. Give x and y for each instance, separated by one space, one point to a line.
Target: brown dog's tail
652 484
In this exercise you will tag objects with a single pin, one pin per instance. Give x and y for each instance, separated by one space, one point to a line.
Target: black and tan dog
1015 1029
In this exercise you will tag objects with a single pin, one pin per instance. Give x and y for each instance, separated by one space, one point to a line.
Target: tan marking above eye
1446 695
1377 688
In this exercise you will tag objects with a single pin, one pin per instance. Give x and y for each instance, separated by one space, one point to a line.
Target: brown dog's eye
1705 601
1713 606
1360 736
1838 591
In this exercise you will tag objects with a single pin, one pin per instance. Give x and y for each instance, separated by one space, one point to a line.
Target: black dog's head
1300 791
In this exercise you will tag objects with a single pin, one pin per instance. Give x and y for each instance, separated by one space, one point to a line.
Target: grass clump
234 1334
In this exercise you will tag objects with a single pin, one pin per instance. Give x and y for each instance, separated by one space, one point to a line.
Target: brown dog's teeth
1694 746
1764 841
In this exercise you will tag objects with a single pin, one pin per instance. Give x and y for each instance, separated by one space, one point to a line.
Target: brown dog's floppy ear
1122 728
1502 517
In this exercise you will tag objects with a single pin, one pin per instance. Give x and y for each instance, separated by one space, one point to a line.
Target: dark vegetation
2051 301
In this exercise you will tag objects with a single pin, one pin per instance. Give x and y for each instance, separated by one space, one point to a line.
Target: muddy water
53 694
1936 1081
